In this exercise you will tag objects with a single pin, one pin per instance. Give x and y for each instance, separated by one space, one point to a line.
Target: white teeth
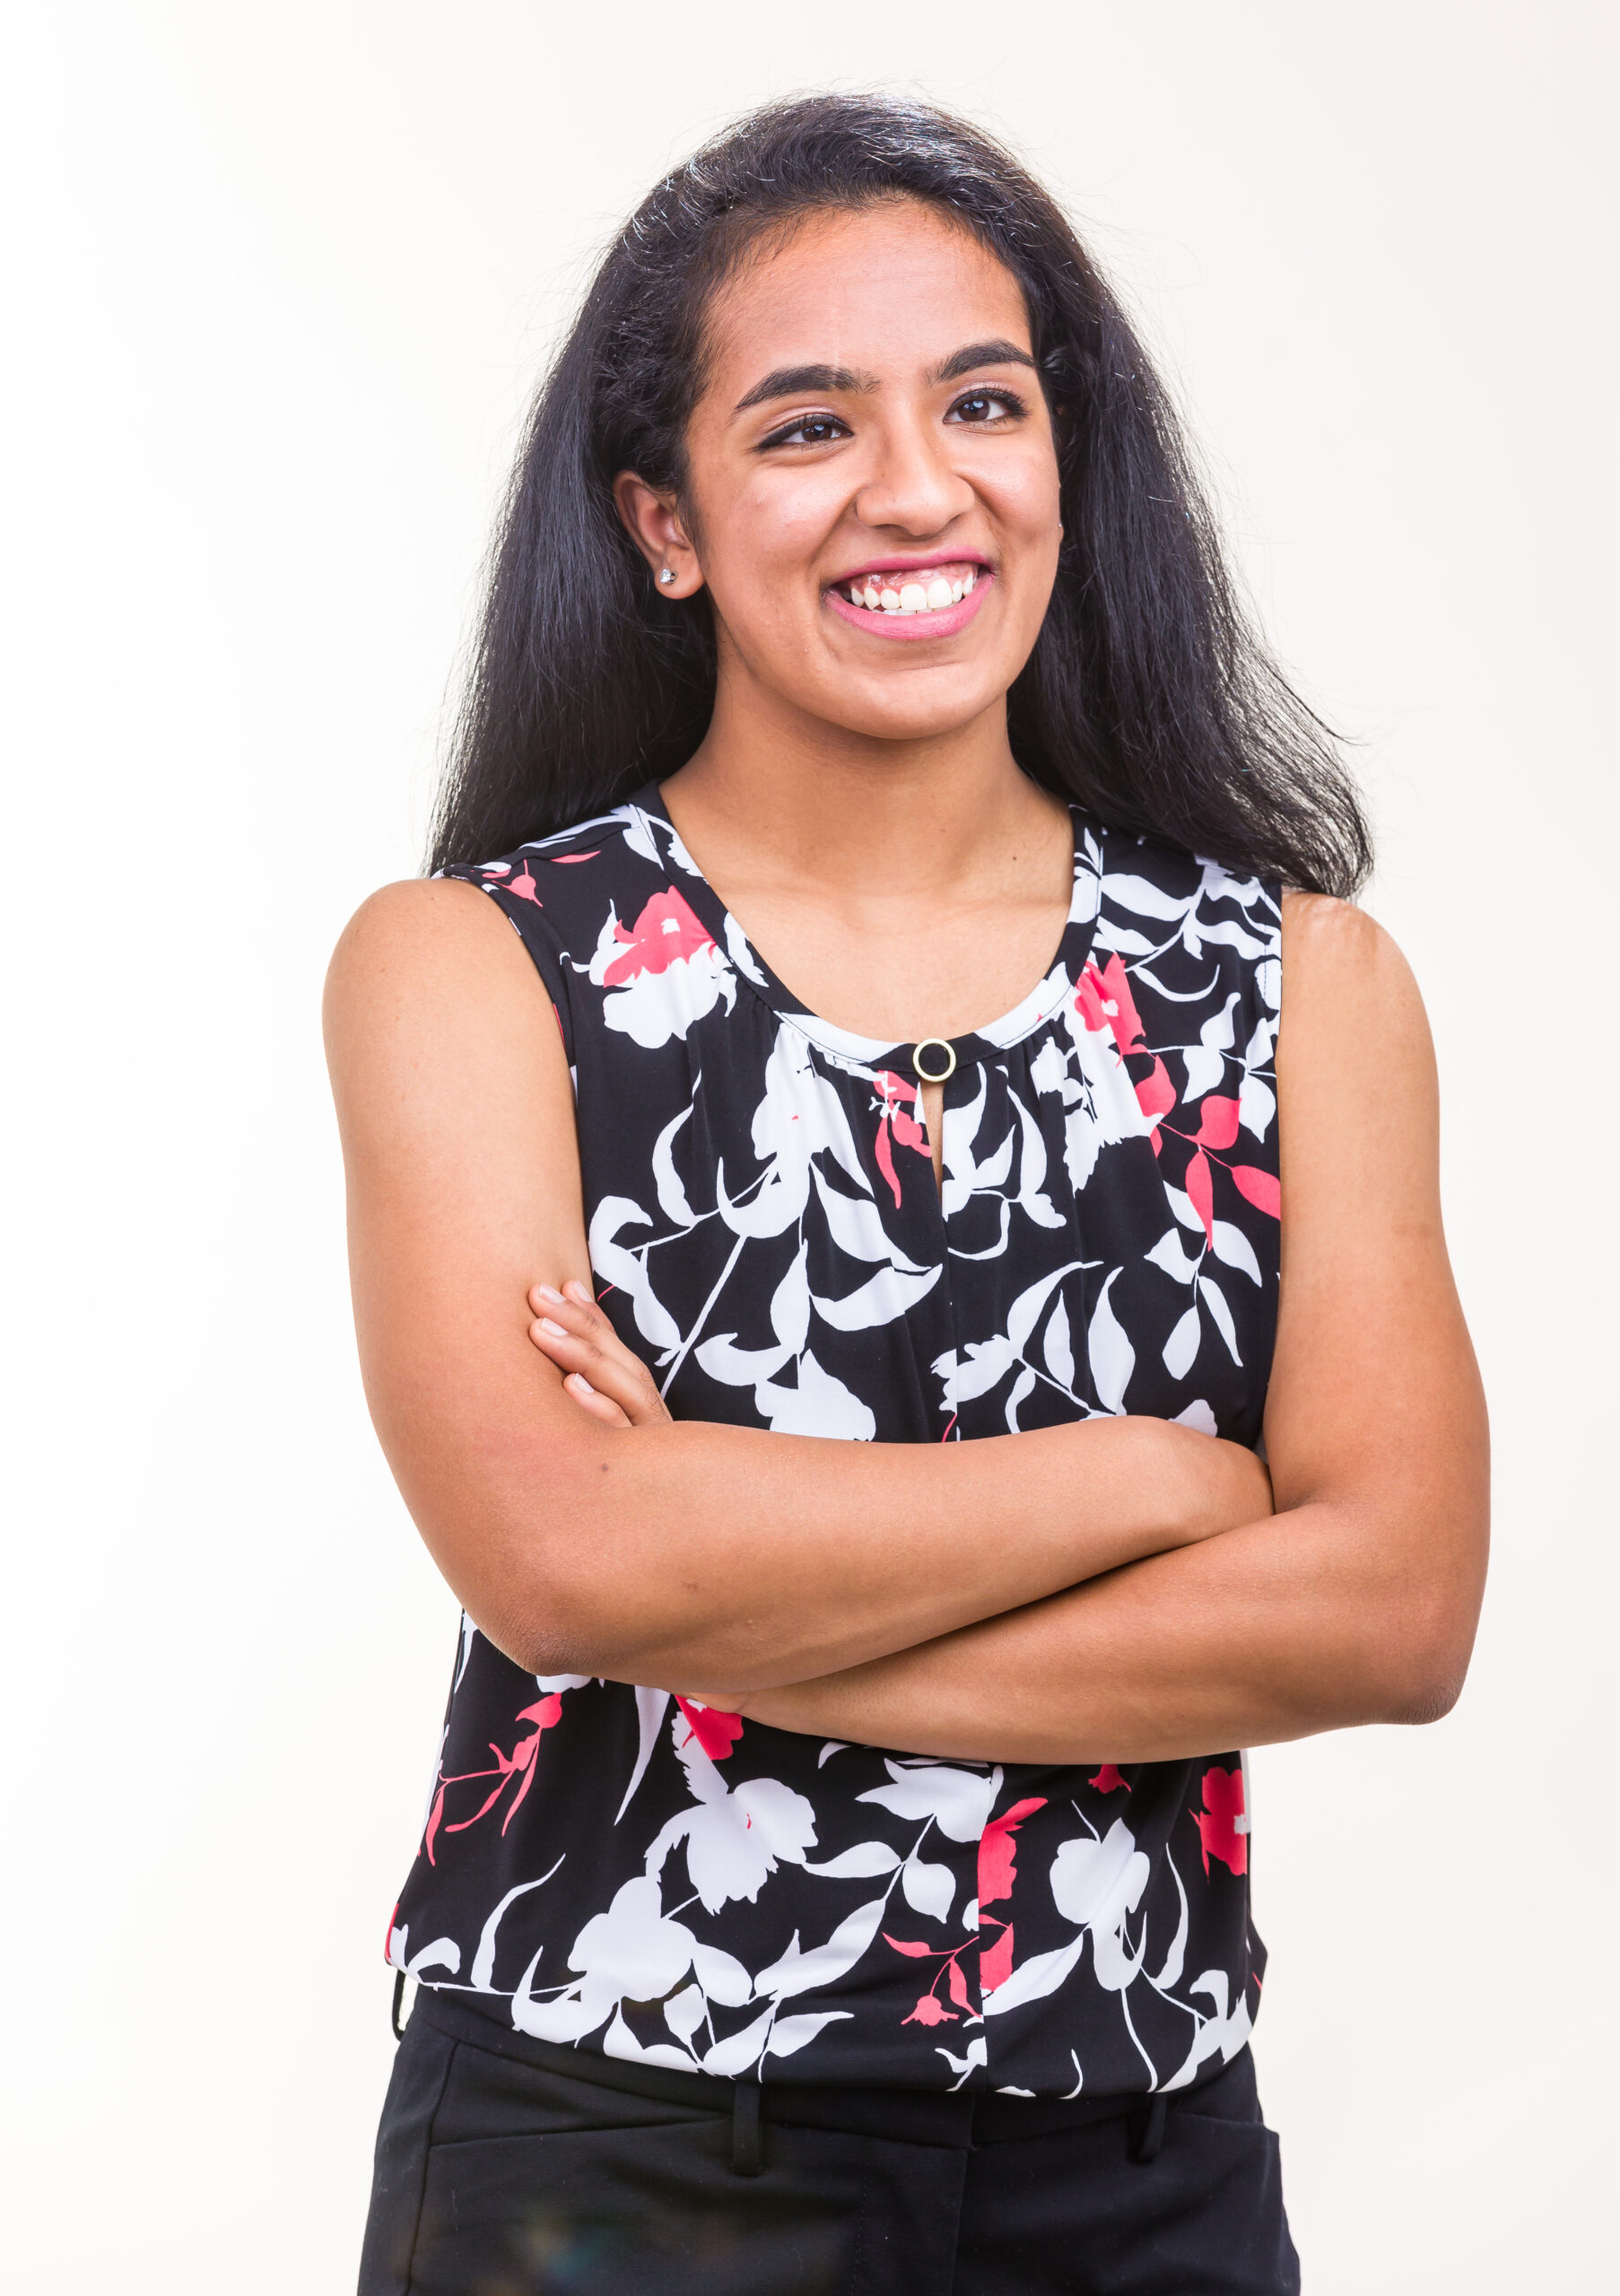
894 595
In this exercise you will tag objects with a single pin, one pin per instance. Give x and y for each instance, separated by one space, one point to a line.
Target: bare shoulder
1357 1093
1349 997
434 1006
428 932
421 924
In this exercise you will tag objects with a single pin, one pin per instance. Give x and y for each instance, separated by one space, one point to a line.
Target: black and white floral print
633 1873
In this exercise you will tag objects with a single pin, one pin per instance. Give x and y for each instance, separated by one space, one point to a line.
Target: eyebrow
999 353
795 382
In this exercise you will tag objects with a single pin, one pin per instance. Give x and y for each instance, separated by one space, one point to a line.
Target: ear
653 524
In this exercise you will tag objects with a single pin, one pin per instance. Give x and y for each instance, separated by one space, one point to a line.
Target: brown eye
809 431
985 406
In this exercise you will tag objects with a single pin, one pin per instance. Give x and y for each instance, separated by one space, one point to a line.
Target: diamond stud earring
666 573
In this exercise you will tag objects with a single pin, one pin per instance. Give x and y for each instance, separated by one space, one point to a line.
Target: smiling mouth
916 589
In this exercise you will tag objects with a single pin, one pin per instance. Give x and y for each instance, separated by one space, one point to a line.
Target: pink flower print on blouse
997 1871
997 1852
1222 1826
662 973
715 1732
930 2009
892 1117
518 1764
1156 1097
1103 1000
667 929
521 887
1217 1132
1260 1187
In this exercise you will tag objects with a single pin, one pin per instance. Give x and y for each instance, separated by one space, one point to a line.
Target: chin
911 716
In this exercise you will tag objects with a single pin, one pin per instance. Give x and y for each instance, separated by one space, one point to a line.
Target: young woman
836 1875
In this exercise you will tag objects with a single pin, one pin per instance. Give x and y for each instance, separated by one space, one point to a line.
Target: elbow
1411 1599
1421 1667
533 1596
1428 1694
532 1625
558 1614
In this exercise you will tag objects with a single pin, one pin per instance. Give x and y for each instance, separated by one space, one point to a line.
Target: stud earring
666 573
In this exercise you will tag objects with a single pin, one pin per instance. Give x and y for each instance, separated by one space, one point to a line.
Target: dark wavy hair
1148 696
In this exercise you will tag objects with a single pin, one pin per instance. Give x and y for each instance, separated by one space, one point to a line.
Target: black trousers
506 2167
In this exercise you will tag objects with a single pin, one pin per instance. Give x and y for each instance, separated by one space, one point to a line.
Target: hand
601 1374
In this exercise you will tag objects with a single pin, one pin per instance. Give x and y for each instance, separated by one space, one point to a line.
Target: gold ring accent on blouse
935 1076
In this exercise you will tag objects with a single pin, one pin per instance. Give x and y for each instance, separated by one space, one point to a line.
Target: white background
282 273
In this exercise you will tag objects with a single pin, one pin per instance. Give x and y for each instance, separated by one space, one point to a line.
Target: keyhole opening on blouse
932 1116
934 1063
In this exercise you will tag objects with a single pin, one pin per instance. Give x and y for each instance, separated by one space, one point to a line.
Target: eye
986 406
808 430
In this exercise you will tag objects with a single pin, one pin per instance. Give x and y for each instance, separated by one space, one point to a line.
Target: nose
911 486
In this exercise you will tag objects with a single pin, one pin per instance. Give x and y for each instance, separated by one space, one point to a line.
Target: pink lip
911 565
944 623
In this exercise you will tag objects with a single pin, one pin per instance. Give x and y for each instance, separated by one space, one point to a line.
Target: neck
769 794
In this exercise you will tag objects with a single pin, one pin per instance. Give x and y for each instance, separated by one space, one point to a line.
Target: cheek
1024 496
772 529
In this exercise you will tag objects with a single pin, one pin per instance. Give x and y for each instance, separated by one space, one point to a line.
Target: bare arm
1356 1601
664 1553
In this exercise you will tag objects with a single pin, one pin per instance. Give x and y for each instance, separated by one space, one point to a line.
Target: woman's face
872 482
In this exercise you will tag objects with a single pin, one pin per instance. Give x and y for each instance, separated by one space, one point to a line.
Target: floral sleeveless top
632 1874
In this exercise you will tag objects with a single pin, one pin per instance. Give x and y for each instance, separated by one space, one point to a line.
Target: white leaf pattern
823 1965
765 1232
1035 1978
1023 1387
1215 1299
790 2034
861 1861
1170 1255
1182 1345
721 1976
928 1888
1233 1247
730 2057
958 1801
672 1195
1113 1359
880 1299
1060 1349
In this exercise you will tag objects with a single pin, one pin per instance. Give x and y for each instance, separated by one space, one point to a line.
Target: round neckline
971 1050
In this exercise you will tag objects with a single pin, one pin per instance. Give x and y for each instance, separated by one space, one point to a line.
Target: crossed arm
1119 1590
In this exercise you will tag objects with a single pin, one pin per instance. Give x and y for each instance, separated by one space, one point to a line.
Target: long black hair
1149 695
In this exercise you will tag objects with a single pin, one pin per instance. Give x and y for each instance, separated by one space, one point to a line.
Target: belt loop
1147 2138
746 2157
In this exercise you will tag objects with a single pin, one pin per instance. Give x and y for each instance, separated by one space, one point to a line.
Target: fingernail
556 1330
579 1293
577 1380
546 1291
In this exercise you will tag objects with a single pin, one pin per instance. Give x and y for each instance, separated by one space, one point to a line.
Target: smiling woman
818 1280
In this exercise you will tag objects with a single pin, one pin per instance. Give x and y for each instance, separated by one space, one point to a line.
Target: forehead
888 290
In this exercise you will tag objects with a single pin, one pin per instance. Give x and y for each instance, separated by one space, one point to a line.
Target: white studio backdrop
281 275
